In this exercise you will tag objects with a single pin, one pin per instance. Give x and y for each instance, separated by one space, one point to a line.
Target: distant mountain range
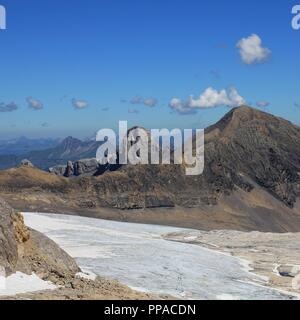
24 145
45 153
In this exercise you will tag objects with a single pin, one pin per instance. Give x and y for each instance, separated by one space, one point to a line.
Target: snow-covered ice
22 283
137 255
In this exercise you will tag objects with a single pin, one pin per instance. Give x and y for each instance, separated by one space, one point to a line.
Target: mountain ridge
251 181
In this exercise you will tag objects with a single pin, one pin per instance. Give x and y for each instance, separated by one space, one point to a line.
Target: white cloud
34 103
79 104
252 51
210 98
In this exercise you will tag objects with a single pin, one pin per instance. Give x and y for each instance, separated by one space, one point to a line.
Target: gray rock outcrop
85 167
26 163
58 170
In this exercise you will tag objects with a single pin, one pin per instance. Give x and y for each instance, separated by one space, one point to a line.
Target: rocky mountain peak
244 116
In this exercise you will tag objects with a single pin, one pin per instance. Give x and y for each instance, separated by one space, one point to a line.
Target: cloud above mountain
252 51
8 107
210 98
79 104
34 104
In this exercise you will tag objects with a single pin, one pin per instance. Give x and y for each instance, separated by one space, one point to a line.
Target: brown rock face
28 251
21 232
251 146
8 243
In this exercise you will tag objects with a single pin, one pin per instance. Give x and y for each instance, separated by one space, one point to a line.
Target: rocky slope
249 147
28 251
9 246
251 181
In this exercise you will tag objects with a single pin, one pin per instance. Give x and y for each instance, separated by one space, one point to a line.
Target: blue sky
74 67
